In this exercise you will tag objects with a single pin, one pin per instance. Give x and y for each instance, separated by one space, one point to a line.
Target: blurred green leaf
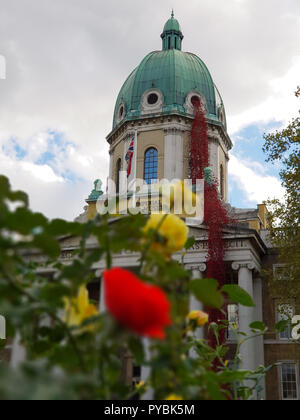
260 326
282 325
49 245
190 243
238 295
206 291
136 346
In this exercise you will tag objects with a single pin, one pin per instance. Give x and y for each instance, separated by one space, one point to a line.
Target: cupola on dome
172 24
166 81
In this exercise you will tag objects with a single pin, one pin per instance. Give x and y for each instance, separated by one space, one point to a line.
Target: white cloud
251 178
281 105
41 172
49 193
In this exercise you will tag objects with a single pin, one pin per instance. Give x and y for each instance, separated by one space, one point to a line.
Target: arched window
118 170
169 43
222 181
151 165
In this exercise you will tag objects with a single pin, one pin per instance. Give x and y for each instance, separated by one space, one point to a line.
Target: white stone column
246 314
214 157
226 180
195 305
146 372
18 352
111 164
102 307
259 341
173 154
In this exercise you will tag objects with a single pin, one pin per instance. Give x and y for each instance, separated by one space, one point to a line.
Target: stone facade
170 136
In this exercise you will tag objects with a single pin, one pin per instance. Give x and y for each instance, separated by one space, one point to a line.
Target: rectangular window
289 381
285 313
233 320
280 272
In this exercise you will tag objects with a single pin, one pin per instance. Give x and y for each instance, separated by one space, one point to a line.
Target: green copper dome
173 74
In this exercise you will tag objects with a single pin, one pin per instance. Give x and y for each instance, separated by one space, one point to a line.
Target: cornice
144 121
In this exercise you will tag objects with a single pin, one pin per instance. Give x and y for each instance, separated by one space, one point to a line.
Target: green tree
283 147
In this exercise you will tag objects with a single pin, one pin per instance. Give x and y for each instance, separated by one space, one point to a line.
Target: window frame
232 338
276 269
222 181
148 170
118 170
296 364
278 319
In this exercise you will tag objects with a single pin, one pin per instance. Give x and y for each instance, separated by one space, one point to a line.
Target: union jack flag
129 156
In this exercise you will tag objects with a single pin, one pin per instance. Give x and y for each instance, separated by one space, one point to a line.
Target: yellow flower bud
200 317
140 385
173 397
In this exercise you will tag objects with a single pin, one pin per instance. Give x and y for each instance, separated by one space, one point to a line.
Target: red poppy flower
138 306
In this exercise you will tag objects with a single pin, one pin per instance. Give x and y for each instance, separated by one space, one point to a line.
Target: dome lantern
172 36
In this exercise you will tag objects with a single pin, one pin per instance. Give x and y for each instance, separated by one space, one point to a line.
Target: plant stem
53 316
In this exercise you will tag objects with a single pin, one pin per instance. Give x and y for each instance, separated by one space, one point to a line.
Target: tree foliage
283 147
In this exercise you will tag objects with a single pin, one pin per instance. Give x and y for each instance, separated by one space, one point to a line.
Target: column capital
129 135
173 130
245 264
200 267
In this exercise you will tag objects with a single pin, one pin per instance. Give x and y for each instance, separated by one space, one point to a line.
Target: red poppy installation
142 308
215 215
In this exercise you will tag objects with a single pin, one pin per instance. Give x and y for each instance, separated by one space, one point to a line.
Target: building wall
223 162
279 353
171 137
276 350
147 139
186 154
117 154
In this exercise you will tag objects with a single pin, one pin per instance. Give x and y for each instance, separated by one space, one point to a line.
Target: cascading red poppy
215 215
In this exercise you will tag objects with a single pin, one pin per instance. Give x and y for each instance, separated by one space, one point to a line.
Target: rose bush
74 352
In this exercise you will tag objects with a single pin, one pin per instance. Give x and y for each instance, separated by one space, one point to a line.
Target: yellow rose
78 309
201 318
173 397
173 231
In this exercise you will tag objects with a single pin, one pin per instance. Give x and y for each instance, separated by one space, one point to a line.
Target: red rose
138 306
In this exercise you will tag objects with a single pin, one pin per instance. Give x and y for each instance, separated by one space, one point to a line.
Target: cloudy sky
67 60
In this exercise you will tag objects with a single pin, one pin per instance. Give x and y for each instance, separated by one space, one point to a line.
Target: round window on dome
195 100
121 112
152 99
